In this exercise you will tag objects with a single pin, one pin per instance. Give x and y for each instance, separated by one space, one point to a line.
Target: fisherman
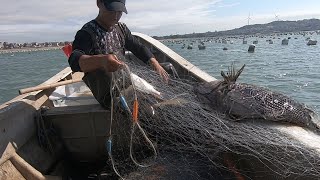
99 46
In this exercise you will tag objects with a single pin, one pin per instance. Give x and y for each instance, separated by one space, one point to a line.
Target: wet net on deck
194 143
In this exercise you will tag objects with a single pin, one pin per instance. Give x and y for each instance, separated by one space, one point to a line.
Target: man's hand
158 68
110 63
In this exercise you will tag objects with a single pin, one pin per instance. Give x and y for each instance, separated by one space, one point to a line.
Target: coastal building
67 42
8 45
5 45
35 44
27 45
47 44
1 45
55 44
17 45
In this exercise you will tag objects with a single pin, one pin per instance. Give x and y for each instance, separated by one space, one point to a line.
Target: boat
80 122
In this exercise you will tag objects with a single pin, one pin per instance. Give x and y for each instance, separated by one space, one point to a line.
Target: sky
58 20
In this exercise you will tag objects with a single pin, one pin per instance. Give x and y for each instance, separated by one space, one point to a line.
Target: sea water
27 69
292 69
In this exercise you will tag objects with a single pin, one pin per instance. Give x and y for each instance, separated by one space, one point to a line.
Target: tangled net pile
193 143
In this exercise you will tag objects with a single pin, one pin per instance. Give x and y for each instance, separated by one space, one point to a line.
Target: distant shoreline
303 27
6 51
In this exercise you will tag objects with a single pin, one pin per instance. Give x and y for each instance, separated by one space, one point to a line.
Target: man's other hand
158 68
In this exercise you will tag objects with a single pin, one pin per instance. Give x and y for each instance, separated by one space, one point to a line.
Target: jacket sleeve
133 45
81 45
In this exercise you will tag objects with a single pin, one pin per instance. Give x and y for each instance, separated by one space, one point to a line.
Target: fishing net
194 143
272 105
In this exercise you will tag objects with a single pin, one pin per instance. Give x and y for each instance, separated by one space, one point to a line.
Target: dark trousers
99 83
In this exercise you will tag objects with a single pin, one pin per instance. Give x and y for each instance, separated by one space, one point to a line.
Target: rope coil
134 115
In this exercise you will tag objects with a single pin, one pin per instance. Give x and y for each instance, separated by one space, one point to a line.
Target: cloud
228 5
153 18
42 12
165 17
36 20
58 20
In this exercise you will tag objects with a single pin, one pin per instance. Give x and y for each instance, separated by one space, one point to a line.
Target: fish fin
232 75
238 73
225 77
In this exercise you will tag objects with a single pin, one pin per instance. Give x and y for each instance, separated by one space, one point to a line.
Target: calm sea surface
292 69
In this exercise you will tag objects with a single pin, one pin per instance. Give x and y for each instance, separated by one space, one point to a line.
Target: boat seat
75 94
83 129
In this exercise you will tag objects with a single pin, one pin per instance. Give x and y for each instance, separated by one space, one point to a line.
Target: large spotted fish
246 101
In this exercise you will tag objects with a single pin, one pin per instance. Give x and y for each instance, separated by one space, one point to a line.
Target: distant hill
273 27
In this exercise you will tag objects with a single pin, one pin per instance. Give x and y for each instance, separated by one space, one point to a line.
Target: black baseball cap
115 5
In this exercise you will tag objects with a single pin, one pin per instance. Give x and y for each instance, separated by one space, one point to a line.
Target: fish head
210 93
207 87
